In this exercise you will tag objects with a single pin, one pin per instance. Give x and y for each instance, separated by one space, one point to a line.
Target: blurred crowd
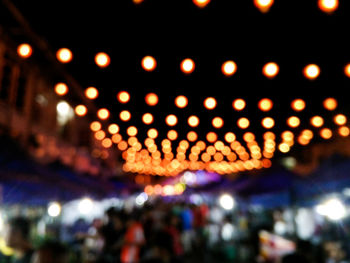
155 233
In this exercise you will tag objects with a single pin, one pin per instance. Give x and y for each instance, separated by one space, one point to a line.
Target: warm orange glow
328 6
171 120
238 104
265 104
317 121
284 147
287 136
201 145
24 50
217 122
307 134
64 55
123 97
263 5
210 103
61 89
293 121
344 131
187 66
148 63
107 143
243 123
113 128
211 150
80 110
269 136
326 133
152 133
248 137
201 3
330 104
181 101
230 137
270 70
132 131
298 104
147 118
91 93
312 71
151 99
205 157
340 119
347 70
172 135
137 1
95 126
192 136
229 68
116 138
193 121
268 122
149 190
100 135
102 60
125 115
103 114
122 145
212 137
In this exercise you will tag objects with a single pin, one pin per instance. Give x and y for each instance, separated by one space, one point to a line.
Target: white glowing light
85 206
141 199
333 208
227 202
54 209
64 112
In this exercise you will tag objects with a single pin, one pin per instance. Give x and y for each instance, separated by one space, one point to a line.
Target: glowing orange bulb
116 138
131 131
317 121
64 55
80 110
229 68
147 118
24 50
312 71
192 136
181 101
103 114
263 5
91 93
95 126
330 104
347 70
326 133
152 133
344 131
243 123
107 143
100 135
238 104
340 119
270 70
268 122
265 104
61 89
148 63
149 190
102 60
210 103
123 97
171 120
125 115
217 122
122 145
172 135
201 3
151 99
113 128
284 147
212 137
328 6
193 121
137 1
298 104
230 137
187 66
293 121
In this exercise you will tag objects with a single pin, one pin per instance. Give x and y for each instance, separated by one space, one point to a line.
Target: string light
330 104
263 5
328 6
229 68
340 119
125 115
172 135
218 122
113 128
181 101
238 104
95 126
201 3
193 121
61 89
265 104
103 114
151 99
171 120
123 97
293 121
317 121
80 110
326 133
243 123
64 55
312 71
268 123
187 66
210 103
24 50
298 104
102 60
149 63
91 93
270 70
147 118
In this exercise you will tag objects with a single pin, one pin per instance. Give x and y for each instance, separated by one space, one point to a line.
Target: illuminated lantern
201 3
147 118
193 121
218 122
328 6
102 60
123 97
187 66
181 101
171 120
61 89
91 93
238 104
125 115
151 99
229 68
24 50
263 5
103 114
210 103
312 71
148 63
64 55
298 104
270 70
265 104
80 110
330 104
243 123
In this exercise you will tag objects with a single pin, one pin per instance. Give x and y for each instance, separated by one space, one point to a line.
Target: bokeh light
243 123
123 97
340 119
217 122
113 128
95 126
61 89
147 118
328 6
270 70
268 122
181 101
210 103
151 99
330 104
317 121
80 110
201 3
238 104
91 93
171 120
263 5
311 71
64 55
187 66
125 115
229 68
103 114
102 60
24 50
298 104
148 63
193 121
265 104
293 121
